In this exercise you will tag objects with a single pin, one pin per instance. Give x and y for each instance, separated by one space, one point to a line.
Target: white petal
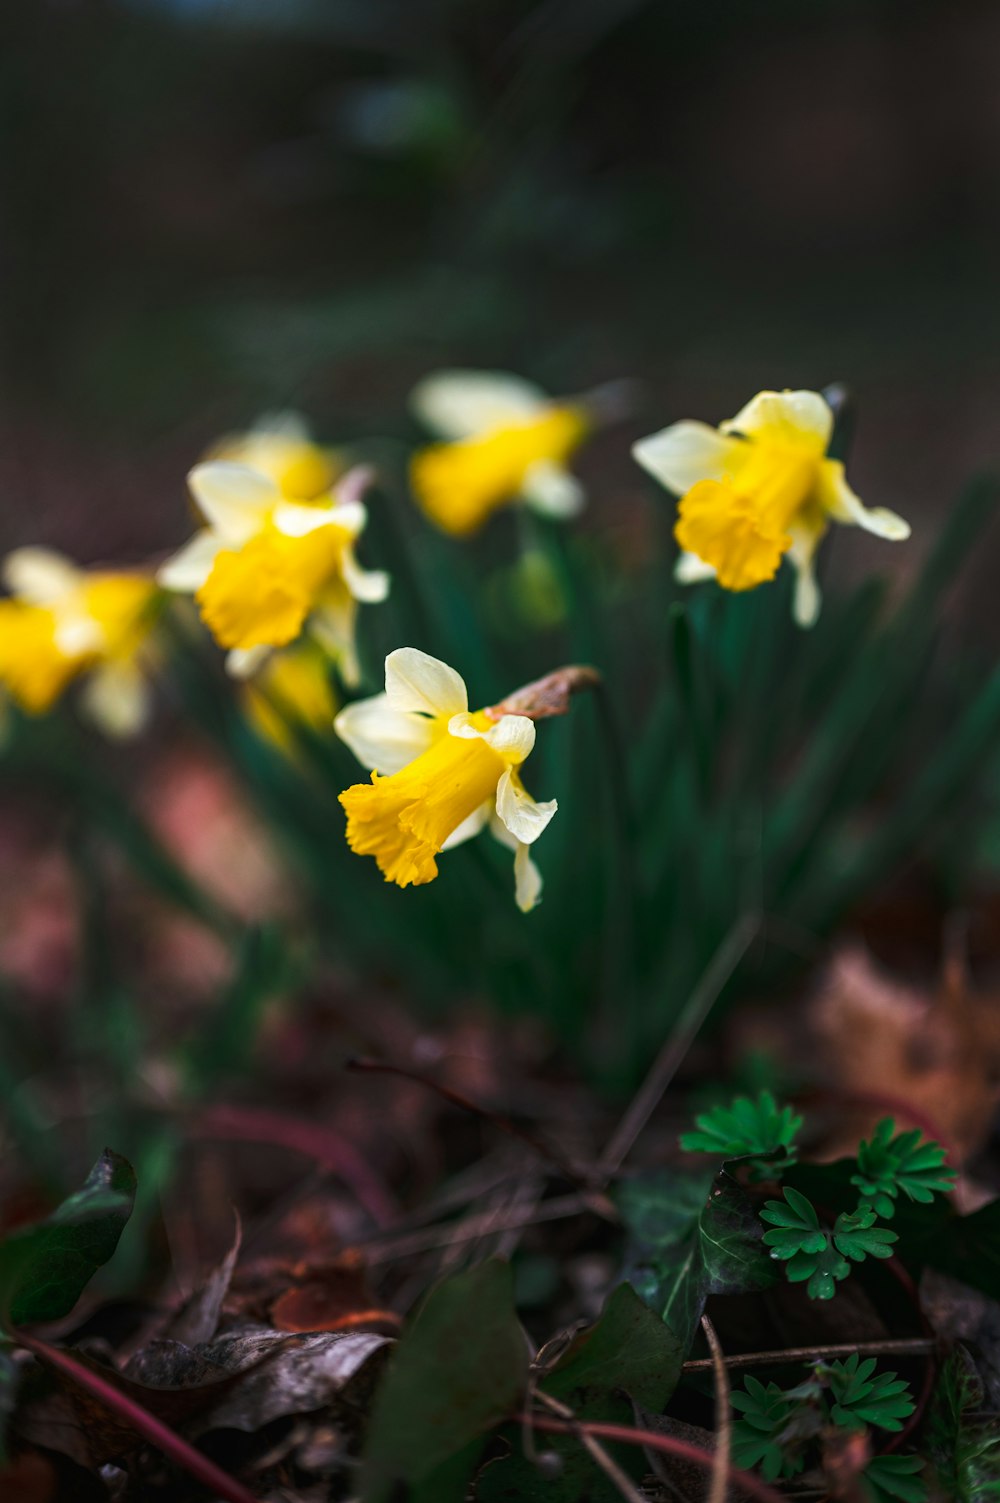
332 626
690 569
77 633
116 698
296 520
459 404
191 565
527 877
798 418
681 455
370 586
382 738
513 736
40 575
417 682
469 827
523 816
843 505
234 499
808 599
243 662
553 491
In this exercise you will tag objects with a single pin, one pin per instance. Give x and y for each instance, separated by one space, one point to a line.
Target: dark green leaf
756 1128
888 1478
45 1268
685 1245
459 1370
964 1442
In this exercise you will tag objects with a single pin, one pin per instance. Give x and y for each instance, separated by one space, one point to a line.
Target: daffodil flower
439 775
281 446
505 441
292 688
265 566
757 488
60 623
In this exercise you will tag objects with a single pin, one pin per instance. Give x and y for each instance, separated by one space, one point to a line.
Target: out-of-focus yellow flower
757 488
265 566
293 688
281 446
506 441
439 775
61 622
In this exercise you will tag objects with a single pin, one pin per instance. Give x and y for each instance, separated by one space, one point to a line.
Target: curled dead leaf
547 696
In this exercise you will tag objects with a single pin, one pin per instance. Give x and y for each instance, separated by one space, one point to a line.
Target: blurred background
212 208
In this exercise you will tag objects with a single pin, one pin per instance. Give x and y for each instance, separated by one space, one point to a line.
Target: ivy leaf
689 1237
460 1368
863 1397
888 1165
888 1478
45 1268
757 1130
628 1351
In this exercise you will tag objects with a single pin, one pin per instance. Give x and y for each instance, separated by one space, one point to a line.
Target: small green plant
816 1255
777 1425
747 1127
888 1165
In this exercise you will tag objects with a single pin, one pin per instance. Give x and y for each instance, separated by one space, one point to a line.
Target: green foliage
460 1368
628 1357
863 1397
757 1130
963 1437
689 1236
45 1268
816 1255
777 1426
888 1165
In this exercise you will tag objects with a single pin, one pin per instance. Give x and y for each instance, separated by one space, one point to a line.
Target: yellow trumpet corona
439 775
757 488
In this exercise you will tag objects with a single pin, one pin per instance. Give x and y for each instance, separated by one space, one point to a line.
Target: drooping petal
512 736
243 662
522 815
417 682
41 576
370 586
690 569
234 499
332 625
553 491
117 699
187 570
788 419
806 532
837 498
686 452
383 739
469 827
527 877
460 404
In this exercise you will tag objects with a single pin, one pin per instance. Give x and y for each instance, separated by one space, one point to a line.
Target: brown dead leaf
197 1320
547 696
846 1453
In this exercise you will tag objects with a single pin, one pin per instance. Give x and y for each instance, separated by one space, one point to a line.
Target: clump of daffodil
439 775
281 446
504 441
61 623
758 488
265 567
292 689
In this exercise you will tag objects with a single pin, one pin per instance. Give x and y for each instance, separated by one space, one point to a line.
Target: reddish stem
665 1443
147 1425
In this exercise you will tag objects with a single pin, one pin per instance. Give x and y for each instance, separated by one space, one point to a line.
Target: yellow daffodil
293 688
439 775
757 488
60 623
264 567
282 448
505 441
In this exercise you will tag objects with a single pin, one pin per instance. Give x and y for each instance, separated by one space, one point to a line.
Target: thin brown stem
594 1449
916 1346
723 1417
386 1250
679 1041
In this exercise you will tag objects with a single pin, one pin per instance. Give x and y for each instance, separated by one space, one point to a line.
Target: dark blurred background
211 208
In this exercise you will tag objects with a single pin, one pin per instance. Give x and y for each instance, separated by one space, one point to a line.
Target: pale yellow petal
523 816
552 491
116 698
187 570
838 499
41 576
383 739
788 419
417 682
461 404
686 452
234 499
